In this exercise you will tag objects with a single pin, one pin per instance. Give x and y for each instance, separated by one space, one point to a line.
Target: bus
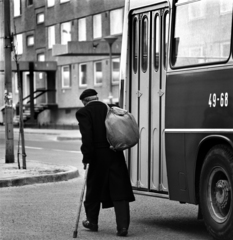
176 78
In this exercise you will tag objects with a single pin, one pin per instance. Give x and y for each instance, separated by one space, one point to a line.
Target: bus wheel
216 200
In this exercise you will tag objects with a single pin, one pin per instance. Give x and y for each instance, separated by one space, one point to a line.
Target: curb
21 181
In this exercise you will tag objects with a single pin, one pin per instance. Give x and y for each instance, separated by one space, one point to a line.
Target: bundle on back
122 129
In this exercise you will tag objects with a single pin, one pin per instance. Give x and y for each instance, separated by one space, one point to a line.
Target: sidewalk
37 172
59 133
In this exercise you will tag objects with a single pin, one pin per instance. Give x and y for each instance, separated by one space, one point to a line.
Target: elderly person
108 181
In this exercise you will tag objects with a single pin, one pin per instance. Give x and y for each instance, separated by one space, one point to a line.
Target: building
63 47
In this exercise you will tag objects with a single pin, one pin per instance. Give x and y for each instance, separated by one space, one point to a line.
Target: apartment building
64 47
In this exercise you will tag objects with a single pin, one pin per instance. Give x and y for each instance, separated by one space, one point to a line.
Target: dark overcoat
108 179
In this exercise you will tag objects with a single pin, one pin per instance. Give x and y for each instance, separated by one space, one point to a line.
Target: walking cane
75 234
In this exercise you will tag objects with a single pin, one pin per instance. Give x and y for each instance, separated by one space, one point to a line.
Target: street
48 211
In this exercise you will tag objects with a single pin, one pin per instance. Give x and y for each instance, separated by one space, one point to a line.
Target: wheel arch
203 148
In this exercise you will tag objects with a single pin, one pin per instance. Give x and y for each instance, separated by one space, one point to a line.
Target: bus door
147 88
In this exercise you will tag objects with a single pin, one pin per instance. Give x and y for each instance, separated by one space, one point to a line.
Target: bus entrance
147 87
186 145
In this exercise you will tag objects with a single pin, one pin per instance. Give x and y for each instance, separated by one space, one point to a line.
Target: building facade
62 48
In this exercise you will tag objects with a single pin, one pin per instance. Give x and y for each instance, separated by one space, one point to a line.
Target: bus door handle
139 94
160 93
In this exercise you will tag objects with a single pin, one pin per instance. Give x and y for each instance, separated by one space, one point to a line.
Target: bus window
144 43
202 32
156 42
166 25
135 44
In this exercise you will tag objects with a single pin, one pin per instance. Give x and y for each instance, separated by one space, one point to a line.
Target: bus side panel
191 148
176 167
194 100
188 99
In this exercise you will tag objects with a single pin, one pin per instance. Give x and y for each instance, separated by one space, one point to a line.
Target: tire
216 199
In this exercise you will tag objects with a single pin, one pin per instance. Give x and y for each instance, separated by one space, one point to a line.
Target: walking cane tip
75 234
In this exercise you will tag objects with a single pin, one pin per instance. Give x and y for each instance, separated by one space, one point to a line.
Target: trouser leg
122 214
92 211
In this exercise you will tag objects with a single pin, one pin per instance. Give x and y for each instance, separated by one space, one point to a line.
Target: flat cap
87 93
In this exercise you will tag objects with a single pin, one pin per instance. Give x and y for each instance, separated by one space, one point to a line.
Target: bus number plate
215 100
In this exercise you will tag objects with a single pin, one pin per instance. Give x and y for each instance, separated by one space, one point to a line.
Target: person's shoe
123 232
92 226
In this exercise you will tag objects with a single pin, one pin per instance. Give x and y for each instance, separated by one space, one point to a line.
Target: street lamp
110 40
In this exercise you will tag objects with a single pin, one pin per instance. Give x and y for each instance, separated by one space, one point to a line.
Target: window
116 21
30 2
225 49
40 18
196 52
115 70
98 74
135 39
83 75
196 10
156 42
40 57
166 26
225 6
15 80
17 8
200 43
97 26
82 29
66 83
51 36
144 43
63 1
65 32
50 3
30 40
18 42
40 75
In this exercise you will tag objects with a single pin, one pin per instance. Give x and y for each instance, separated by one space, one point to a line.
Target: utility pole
9 133
110 40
